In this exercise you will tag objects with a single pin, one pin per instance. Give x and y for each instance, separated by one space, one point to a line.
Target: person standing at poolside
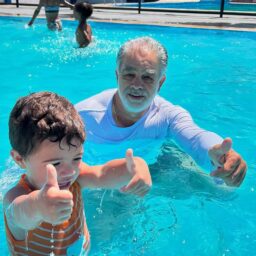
134 111
51 12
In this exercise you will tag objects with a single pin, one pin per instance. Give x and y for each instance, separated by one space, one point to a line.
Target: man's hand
55 205
141 182
229 164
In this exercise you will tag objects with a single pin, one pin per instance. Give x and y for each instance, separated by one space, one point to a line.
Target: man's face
139 80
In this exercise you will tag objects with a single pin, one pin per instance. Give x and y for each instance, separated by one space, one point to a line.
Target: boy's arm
26 211
36 12
21 212
117 174
88 33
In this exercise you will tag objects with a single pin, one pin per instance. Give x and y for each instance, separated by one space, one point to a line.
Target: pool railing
140 8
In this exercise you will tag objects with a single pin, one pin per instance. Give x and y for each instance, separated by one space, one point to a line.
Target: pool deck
207 21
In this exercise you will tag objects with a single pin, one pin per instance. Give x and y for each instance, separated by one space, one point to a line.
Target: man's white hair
147 43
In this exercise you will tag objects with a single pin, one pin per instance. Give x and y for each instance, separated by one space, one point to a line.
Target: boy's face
66 159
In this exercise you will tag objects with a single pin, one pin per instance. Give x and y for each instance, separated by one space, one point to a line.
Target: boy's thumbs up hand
55 205
52 180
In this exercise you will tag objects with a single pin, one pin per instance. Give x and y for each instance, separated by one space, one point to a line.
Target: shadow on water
176 175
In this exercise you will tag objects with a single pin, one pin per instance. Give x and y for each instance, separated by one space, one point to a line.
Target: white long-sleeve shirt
162 120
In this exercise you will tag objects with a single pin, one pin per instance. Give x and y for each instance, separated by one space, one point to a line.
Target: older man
134 111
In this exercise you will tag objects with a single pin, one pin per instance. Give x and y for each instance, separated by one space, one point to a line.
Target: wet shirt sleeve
191 138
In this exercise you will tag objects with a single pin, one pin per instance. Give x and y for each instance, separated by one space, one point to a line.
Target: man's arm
36 12
205 148
191 138
116 174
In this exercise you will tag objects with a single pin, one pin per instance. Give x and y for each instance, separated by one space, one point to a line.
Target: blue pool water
202 5
211 73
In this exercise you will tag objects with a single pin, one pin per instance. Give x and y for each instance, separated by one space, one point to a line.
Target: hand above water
54 205
141 182
229 165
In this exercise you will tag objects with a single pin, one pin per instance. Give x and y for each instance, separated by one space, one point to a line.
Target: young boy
51 13
44 213
82 11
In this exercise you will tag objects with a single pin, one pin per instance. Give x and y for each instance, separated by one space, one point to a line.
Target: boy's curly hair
40 116
85 9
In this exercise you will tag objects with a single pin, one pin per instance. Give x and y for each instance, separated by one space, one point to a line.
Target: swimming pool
211 73
200 5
